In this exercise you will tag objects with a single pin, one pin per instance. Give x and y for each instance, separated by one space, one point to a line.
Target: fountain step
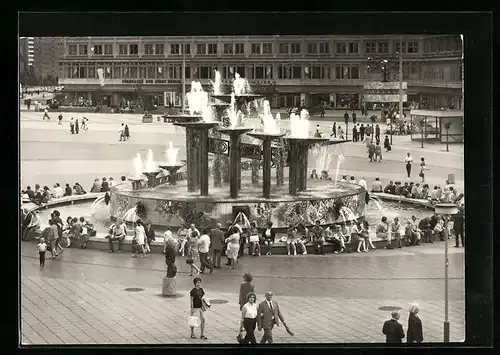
279 248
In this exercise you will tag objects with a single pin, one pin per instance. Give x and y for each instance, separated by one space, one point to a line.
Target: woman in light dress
233 247
182 234
192 252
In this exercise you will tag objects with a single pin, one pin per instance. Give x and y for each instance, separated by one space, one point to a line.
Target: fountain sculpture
224 115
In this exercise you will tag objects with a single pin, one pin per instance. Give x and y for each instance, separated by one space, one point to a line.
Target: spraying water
197 98
217 84
171 154
239 85
299 125
234 116
150 163
131 215
270 124
96 202
340 160
137 165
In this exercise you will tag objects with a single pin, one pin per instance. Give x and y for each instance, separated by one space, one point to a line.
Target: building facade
27 50
47 52
294 69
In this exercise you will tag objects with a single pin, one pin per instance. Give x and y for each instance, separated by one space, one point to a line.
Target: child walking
41 247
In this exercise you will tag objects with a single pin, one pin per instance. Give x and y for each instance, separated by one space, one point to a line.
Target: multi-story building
297 69
47 52
27 49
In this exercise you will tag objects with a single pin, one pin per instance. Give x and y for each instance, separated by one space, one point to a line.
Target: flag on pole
100 74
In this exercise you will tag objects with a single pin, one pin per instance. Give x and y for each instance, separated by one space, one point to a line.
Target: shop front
437 125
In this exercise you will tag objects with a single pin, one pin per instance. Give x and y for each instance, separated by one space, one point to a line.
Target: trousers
268 336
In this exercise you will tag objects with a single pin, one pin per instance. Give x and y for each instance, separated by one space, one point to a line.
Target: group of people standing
74 125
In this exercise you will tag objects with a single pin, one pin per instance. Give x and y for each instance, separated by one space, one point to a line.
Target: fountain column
299 150
255 166
197 154
267 159
234 158
280 165
293 168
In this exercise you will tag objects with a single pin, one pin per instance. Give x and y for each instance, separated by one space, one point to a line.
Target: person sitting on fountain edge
318 238
117 232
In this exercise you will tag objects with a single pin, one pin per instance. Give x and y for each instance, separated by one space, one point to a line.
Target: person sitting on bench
117 232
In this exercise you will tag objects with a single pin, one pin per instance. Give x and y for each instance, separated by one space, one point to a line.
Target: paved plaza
80 298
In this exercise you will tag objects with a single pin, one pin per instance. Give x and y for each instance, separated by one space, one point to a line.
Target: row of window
158 71
239 48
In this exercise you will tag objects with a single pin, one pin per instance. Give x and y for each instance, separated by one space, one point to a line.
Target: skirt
232 251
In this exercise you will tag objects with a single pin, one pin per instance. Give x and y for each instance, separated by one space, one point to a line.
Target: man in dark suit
269 314
216 244
393 330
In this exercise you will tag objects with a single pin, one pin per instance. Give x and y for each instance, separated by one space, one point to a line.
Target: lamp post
446 209
183 75
401 114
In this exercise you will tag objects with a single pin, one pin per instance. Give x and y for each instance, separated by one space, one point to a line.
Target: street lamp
446 209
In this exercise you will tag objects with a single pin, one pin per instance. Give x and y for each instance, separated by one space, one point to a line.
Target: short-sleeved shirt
197 295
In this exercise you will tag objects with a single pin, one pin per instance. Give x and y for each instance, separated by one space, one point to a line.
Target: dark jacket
216 239
414 333
273 235
68 191
150 234
245 289
393 331
104 186
389 189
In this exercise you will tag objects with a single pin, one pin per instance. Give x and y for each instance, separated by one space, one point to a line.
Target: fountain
172 166
270 131
151 172
197 101
197 139
137 178
189 201
96 202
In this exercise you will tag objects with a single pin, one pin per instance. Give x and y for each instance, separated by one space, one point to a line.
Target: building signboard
151 81
379 91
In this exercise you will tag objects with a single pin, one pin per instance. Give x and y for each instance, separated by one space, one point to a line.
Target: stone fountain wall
174 213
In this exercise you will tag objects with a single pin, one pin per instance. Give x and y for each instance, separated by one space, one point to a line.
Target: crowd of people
40 196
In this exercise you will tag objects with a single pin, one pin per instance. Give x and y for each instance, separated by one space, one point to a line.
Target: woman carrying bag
248 320
199 305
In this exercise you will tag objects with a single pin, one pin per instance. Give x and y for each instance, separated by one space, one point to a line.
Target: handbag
240 337
189 261
193 321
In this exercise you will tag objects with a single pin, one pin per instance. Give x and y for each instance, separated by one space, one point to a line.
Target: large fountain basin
174 205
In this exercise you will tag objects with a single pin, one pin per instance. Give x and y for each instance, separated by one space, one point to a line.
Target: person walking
340 133
60 117
46 114
458 227
140 238
216 244
377 133
353 117
150 235
362 132
249 313
245 288
41 247
387 144
122 132
354 134
414 334
269 314
334 130
378 152
346 117
72 126
408 162
393 330
422 169
203 245
233 247
126 131
198 304
77 126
